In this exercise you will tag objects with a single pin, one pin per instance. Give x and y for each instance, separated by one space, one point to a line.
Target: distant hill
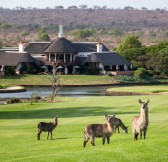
80 18
151 25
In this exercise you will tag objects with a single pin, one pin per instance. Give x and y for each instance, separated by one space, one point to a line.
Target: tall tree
54 79
130 41
158 62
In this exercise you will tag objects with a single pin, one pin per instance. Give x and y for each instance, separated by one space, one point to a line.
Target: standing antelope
99 130
140 123
47 127
118 123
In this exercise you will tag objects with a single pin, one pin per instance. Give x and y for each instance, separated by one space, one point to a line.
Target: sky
150 4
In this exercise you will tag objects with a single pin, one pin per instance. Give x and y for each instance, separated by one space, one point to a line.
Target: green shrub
13 100
3 86
34 98
141 73
10 71
91 70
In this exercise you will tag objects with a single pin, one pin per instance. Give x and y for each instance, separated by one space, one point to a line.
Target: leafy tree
137 56
24 34
83 33
156 48
59 7
130 41
83 6
72 7
158 62
141 73
128 8
42 35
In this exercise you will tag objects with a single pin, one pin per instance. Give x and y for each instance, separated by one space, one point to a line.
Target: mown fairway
18 130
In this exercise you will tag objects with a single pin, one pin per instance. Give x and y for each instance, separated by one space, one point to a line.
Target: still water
64 91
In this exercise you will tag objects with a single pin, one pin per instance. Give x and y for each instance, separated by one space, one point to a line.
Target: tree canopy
42 35
82 34
130 41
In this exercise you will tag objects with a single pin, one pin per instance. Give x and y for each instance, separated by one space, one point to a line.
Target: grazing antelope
119 123
140 123
99 130
47 127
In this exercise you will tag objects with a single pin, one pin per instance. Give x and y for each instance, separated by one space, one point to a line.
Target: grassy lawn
64 79
18 130
141 89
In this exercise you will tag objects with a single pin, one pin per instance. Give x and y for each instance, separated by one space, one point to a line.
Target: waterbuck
99 130
47 127
140 123
118 123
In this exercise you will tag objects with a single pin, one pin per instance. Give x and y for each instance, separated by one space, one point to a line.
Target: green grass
27 79
64 79
141 89
18 130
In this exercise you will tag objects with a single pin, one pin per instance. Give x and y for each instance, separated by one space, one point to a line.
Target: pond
64 91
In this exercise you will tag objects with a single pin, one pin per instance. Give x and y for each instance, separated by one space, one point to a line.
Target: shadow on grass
62 112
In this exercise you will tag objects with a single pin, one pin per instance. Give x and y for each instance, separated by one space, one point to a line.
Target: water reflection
64 91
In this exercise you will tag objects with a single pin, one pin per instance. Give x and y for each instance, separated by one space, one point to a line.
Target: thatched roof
60 45
107 59
88 47
36 47
13 58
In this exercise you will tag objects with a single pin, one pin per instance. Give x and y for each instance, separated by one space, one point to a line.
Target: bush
3 86
13 100
91 70
10 71
141 73
34 98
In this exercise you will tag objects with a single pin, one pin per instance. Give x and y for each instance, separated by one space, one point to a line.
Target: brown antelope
47 127
118 123
99 130
140 123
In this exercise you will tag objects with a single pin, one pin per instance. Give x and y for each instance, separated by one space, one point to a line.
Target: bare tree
55 80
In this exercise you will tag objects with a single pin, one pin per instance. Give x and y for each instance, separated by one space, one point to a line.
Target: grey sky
150 4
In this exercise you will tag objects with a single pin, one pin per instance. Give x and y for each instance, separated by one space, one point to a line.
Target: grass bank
33 80
64 80
18 130
154 89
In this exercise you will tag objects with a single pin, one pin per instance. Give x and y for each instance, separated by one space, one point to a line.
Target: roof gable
36 47
107 59
61 45
13 58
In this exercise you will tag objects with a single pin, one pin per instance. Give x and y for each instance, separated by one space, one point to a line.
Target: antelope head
109 119
144 105
126 130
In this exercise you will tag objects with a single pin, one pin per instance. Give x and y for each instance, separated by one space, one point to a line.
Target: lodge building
69 56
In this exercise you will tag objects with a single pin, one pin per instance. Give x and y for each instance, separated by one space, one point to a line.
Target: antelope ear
148 101
113 115
57 116
140 101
